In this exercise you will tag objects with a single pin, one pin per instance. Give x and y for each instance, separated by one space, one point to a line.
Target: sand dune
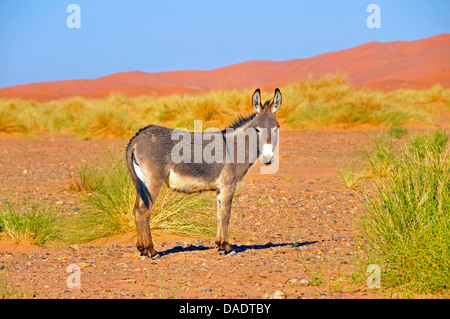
385 66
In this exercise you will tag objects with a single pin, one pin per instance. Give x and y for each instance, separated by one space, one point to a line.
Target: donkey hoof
157 256
224 252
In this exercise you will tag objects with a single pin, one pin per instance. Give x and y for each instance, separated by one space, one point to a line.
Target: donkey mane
241 121
244 119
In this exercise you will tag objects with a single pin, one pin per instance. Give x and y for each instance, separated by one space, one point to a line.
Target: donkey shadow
242 248
237 248
181 249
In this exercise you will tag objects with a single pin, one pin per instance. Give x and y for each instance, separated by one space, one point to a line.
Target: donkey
151 162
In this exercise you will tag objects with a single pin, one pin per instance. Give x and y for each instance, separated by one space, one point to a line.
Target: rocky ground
293 231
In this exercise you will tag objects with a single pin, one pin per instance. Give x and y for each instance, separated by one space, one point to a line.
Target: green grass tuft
31 222
406 226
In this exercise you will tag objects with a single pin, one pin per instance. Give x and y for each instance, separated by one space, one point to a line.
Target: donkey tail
138 177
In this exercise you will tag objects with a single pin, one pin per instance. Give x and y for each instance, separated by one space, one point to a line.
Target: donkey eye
258 129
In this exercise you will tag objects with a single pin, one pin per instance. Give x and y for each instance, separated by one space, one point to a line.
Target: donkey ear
257 101
276 101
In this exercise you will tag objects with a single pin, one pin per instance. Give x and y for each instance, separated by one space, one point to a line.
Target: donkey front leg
224 201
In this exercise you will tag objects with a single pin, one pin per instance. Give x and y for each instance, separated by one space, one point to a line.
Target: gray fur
150 151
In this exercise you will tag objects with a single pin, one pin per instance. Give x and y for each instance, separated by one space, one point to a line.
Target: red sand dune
385 66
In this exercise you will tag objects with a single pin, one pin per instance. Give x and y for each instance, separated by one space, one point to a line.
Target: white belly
188 184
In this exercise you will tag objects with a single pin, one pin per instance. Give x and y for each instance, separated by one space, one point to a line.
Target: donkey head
266 124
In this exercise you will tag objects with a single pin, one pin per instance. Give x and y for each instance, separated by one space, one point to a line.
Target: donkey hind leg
142 220
224 201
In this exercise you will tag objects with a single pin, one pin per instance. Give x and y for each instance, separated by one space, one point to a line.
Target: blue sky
163 35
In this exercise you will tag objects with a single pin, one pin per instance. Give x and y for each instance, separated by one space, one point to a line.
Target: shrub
406 226
31 222
326 101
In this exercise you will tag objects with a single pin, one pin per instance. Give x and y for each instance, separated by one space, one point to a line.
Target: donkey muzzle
267 154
